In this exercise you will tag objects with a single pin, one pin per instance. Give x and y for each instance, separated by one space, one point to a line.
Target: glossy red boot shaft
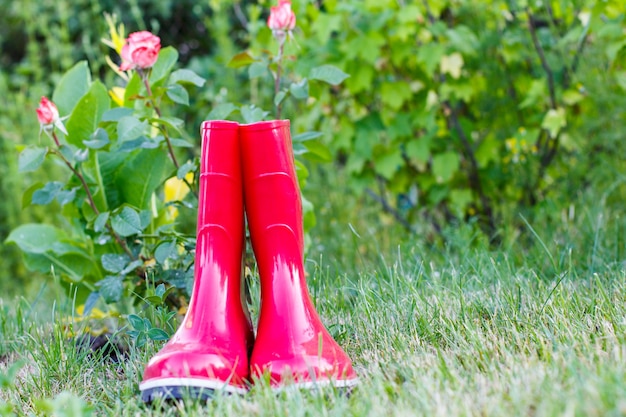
210 349
291 343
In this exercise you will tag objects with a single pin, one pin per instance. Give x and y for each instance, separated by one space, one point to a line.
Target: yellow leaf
175 190
432 99
94 314
452 64
117 94
118 38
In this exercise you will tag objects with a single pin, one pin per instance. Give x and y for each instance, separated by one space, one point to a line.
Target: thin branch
388 208
579 50
542 58
240 15
473 174
163 129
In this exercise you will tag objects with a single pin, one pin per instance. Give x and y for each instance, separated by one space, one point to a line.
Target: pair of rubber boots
215 348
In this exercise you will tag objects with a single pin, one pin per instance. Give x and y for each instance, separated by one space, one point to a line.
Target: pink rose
48 115
282 18
140 51
47 112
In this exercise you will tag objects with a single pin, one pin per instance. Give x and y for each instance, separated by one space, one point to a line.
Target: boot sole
176 389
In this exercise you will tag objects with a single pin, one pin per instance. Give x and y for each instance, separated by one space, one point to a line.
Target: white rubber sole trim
191 382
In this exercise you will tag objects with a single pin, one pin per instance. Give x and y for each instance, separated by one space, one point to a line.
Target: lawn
536 327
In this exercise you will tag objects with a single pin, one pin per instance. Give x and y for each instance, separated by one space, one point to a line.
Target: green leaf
126 223
620 77
88 112
178 94
172 122
184 169
317 151
71 87
164 251
186 76
132 90
303 137
418 150
300 90
111 288
324 25
160 290
140 175
329 74
572 97
387 164
157 334
221 111
180 143
302 173
535 93
142 339
242 59
115 114
113 262
101 221
463 39
554 121
252 113
130 127
445 165
98 140
74 265
27 197
47 194
66 196
35 238
164 64
279 98
137 322
429 55
459 200
131 267
145 217
31 158
395 94
90 303
257 69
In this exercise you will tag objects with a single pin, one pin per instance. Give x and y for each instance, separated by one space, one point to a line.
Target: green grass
535 328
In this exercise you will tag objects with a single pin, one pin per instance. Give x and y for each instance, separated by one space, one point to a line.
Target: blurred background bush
456 111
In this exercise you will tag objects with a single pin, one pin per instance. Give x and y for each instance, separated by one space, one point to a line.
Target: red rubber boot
291 344
209 352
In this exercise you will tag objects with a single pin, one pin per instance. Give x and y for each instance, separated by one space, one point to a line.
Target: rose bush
116 236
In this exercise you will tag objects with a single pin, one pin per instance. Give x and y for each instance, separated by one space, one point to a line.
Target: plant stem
279 67
77 173
90 198
170 148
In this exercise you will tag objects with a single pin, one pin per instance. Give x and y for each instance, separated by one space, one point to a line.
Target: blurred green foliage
454 110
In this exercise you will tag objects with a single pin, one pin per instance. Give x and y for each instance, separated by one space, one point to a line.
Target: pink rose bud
140 51
47 112
48 115
282 18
